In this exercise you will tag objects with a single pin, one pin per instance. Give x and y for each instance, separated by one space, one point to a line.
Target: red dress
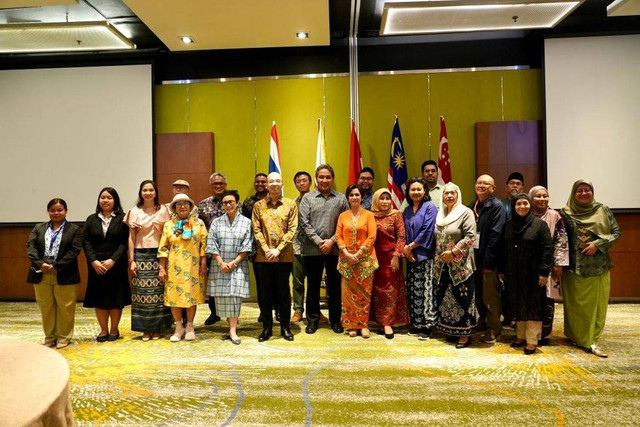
389 288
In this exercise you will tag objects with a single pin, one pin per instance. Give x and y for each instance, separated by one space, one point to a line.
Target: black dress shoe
543 341
265 335
337 328
311 329
529 351
389 336
517 344
286 334
211 320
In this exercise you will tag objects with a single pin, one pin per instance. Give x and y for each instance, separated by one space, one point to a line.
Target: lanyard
55 235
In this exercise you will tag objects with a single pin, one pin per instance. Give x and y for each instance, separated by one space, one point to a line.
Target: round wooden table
34 385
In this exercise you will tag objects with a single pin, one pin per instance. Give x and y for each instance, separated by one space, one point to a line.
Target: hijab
521 223
445 217
375 204
591 216
548 215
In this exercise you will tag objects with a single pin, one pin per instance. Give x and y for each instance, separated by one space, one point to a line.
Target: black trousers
212 300
315 266
274 291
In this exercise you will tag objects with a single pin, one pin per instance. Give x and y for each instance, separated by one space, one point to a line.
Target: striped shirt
319 218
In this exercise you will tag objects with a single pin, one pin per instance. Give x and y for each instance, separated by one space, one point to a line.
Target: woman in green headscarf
592 231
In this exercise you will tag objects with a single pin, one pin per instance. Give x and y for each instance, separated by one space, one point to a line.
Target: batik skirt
148 312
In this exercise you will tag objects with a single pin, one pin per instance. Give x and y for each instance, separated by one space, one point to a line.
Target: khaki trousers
58 308
529 331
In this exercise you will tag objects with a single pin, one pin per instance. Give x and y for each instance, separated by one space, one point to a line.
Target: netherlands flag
274 151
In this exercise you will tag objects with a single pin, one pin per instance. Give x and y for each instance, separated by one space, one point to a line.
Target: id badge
476 242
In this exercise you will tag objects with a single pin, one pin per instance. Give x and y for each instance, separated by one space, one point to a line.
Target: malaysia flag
397 177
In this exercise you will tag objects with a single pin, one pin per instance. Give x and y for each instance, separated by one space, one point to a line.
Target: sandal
365 333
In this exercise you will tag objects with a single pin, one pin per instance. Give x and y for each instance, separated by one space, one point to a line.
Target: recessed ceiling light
186 39
302 35
59 37
428 17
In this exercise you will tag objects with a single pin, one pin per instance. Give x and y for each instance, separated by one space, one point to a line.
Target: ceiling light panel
451 16
79 36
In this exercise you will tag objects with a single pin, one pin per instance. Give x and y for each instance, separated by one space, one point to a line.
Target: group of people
469 269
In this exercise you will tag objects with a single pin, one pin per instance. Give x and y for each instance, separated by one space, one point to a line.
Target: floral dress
454 280
183 243
356 233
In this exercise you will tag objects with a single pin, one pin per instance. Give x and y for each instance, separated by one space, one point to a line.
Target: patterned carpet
328 380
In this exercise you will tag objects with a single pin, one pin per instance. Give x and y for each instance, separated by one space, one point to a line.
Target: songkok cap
516 175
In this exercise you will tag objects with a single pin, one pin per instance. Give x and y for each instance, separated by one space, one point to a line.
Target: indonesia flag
355 156
444 161
397 177
274 151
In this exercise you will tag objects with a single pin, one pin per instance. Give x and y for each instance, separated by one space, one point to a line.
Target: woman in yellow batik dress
183 264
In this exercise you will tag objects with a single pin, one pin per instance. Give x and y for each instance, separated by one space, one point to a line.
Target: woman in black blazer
53 248
105 245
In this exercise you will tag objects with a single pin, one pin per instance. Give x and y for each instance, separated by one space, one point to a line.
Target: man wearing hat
181 186
515 185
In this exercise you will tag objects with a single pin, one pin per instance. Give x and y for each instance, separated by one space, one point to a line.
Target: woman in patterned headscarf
592 231
454 265
540 200
389 289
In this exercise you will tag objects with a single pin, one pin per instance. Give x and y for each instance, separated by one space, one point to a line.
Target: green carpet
328 380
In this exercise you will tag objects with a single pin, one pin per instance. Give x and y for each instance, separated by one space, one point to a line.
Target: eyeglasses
229 203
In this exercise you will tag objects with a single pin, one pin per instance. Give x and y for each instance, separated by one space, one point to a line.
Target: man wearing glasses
490 218
208 210
275 222
365 181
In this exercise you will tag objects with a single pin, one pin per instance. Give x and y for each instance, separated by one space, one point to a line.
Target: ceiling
239 38
238 24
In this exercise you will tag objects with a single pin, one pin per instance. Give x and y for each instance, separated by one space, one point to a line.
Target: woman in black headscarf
527 260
